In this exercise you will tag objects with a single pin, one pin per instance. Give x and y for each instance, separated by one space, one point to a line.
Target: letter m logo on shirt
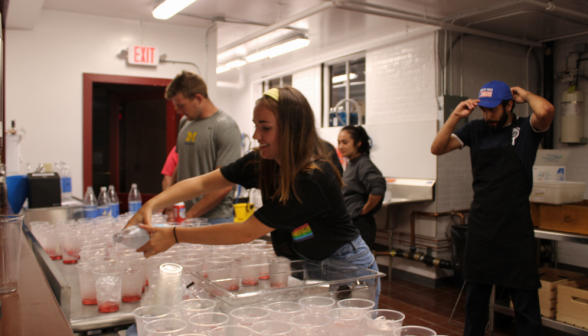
191 136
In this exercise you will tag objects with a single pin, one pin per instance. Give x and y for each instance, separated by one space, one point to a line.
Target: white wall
570 253
44 68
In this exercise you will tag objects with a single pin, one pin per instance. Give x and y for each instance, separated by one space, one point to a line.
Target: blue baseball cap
493 93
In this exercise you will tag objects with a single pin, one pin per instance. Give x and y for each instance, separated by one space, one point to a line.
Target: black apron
501 247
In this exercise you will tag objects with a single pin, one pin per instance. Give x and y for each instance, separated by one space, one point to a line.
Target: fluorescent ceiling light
236 63
222 68
169 8
342 78
279 49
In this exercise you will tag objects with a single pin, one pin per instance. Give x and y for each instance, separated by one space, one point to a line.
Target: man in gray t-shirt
209 140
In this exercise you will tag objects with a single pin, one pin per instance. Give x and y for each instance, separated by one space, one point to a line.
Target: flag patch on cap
486 93
302 233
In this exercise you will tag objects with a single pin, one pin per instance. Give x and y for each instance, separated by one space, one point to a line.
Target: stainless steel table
549 322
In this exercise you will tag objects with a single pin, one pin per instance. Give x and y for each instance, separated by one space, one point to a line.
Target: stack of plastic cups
133 279
248 316
205 322
146 314
108 288
382 321
285 310
168 290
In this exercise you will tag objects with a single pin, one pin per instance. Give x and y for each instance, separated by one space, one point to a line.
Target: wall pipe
414 214
550 6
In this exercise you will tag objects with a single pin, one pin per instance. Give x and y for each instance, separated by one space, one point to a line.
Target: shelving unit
549 322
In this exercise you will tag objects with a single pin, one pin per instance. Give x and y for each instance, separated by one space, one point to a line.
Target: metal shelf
561 236
547 322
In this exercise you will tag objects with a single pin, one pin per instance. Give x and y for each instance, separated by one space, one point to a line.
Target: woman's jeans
358 254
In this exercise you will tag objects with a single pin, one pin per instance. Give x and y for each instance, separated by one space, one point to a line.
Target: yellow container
243 211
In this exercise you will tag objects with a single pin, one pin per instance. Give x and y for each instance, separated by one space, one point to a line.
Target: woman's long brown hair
300 145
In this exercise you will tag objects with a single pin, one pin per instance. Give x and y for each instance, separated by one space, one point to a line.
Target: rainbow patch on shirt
302 233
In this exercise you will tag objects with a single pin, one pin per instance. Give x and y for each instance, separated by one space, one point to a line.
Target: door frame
88 83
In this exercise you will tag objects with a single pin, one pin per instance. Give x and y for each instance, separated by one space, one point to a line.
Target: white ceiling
521 19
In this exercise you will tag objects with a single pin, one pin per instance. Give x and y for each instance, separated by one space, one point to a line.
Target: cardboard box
564 218
550 165
550 279
572 303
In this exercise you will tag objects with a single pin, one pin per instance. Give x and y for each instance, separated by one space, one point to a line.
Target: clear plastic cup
218 270
152 267
146 314
357 306
189 308
85 255
133 279
108 288
267 252
87 280
275 328
10 238
52 246
70 243
284 311
383 321
235 283
166 327
414 331
248 316
250 268
279 272
345 322
317 304
231 331
311 324
93 246
205 322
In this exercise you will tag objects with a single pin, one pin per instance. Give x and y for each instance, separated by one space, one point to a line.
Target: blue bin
17 186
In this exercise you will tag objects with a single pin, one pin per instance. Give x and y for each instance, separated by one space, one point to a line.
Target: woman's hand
162 238
143 216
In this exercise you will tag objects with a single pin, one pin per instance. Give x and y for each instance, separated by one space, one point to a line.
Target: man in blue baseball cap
500 245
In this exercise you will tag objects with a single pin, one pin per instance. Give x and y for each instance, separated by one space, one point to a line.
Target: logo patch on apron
516 131
302 233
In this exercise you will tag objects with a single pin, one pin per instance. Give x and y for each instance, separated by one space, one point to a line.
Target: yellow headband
272 93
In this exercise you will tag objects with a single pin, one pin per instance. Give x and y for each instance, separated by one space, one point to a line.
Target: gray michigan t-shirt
203 145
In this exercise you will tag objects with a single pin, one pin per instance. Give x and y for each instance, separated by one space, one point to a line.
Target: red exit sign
143 55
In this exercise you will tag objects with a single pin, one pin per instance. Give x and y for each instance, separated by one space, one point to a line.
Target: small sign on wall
143 55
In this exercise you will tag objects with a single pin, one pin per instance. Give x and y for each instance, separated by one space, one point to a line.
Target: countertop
32 310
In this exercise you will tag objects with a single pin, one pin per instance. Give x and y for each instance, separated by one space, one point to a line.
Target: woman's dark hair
300 145
358 134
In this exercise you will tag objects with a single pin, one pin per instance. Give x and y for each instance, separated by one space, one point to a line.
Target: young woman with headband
303 207
364 184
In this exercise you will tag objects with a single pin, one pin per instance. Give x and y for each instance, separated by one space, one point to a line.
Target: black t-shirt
314 228
519 134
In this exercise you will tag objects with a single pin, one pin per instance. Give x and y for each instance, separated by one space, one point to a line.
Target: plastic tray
306 278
